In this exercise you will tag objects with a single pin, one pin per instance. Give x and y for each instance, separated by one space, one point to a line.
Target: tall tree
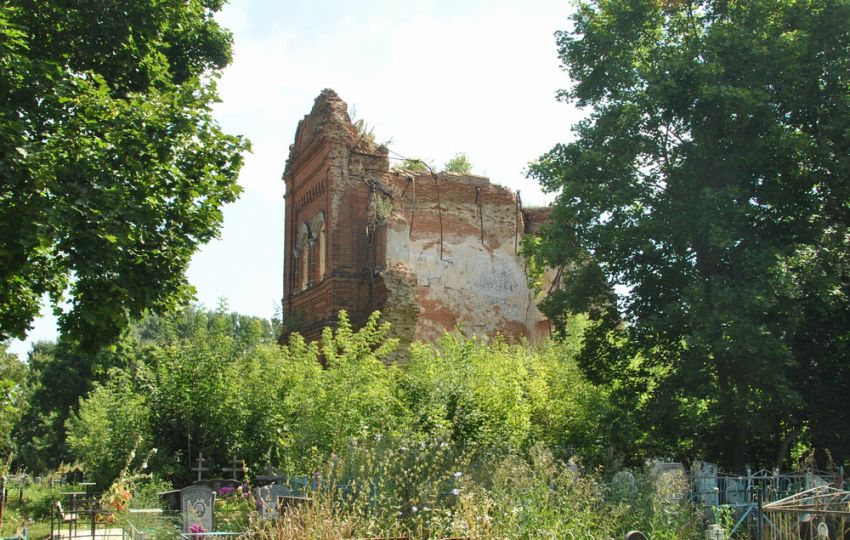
113 169
702 213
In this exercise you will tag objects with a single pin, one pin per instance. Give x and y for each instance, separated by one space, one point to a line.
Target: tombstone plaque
623 486
267 499
705 482
196 505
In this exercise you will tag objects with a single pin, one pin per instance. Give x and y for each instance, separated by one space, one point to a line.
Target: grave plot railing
819 512
153 524
747 495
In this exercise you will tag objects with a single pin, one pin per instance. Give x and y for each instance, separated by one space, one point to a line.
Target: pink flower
196 528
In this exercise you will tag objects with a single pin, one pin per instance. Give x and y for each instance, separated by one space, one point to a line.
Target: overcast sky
432 77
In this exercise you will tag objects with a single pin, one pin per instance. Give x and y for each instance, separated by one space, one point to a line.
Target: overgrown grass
434 491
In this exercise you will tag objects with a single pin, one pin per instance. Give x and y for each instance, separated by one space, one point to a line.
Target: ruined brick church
432 252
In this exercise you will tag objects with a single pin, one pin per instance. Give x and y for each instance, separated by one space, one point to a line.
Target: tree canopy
113 168
702 217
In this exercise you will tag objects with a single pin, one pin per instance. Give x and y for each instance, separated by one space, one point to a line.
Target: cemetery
641 335
764 505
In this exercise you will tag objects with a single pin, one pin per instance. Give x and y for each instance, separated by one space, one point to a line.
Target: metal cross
200 468
234 468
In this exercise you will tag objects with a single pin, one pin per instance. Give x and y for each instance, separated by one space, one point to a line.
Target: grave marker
196 505
671 482
623 486
267 499
236 466
200 468
705 482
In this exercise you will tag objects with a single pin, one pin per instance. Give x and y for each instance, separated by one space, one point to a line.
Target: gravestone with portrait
197 506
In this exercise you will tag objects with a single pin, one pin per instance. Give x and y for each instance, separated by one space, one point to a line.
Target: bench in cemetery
63 517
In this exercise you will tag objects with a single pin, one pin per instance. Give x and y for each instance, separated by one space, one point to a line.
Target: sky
432 77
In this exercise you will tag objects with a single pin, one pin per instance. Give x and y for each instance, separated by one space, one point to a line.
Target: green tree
112 423
702 213
113 170
458 164
12 375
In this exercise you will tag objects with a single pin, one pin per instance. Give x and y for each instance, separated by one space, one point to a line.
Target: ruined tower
432 252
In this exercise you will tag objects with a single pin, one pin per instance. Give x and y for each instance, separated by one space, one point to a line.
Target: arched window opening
321 245
302 258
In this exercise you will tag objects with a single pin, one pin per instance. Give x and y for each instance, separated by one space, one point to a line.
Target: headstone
705 482
671 482
813 480
37 480
715 532
267 499
635 535
572 466
623 486
736 491
74 477
170 500
196 505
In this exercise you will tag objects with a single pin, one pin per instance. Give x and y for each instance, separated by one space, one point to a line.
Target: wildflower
415 509
377 436
455 492
225 491
458 474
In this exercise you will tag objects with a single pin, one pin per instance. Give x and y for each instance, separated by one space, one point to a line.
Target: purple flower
225 491
196 528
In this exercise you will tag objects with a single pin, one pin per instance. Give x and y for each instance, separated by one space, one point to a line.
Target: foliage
701 219
218 383
510 497
499 399
458 164
58 378
112 422
415 165
12 375
114 170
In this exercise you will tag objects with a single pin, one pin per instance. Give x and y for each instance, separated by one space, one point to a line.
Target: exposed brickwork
431 252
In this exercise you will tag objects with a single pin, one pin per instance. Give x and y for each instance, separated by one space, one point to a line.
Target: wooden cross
200 468
234 468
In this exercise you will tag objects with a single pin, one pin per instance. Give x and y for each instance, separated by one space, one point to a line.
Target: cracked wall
431 252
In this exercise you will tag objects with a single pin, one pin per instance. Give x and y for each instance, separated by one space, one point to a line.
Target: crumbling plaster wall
432 252
451 261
